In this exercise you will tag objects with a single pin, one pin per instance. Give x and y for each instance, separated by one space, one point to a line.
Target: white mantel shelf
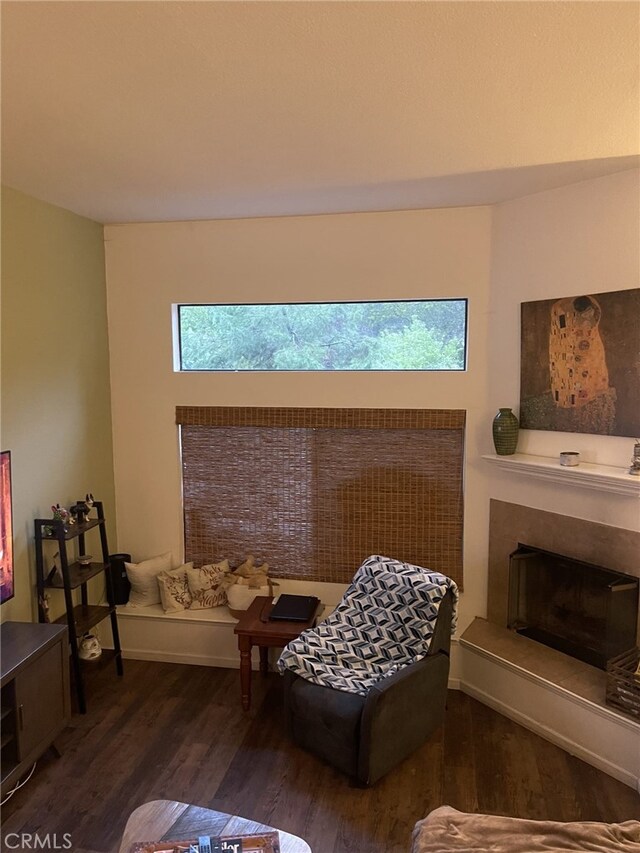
586 475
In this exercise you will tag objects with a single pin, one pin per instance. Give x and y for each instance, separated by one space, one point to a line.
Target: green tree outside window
328 336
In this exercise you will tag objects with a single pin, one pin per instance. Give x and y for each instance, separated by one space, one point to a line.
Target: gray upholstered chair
365 736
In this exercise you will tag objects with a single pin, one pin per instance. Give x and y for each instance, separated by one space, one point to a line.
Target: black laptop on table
294 608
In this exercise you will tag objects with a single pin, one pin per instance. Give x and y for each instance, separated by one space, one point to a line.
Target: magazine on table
259 842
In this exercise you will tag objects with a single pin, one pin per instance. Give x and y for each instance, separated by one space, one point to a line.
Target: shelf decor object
79 618
505 432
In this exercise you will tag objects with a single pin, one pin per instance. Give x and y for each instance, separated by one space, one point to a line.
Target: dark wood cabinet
81 617
34 694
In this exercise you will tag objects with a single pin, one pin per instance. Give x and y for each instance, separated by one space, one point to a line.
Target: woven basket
623 685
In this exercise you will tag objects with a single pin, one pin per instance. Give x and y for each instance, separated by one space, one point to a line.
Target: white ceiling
132 111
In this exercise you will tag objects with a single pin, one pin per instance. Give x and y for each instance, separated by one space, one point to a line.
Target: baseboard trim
172 657
208 660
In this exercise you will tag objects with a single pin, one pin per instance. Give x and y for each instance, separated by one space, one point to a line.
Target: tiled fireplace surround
511 524
557 696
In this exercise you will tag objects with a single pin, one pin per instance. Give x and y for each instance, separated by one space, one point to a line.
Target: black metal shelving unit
79 618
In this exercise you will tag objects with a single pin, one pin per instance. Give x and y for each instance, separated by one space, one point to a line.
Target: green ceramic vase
505 432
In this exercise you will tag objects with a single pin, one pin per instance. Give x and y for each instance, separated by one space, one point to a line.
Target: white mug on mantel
570 458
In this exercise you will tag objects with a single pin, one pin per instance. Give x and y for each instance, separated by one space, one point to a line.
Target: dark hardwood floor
175 732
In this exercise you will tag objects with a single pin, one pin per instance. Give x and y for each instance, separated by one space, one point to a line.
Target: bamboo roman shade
315 491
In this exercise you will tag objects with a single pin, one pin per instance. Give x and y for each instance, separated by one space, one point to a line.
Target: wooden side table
168 820
255 629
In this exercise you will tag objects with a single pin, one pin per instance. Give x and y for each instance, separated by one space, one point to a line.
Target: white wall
413 254
580 239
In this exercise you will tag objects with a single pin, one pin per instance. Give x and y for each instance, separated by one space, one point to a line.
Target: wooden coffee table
168 820
255 629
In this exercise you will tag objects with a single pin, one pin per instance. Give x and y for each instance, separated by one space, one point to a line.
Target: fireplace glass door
585 611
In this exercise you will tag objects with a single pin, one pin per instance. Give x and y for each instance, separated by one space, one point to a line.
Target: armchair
367 687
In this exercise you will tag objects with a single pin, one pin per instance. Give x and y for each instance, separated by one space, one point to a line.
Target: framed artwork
580 364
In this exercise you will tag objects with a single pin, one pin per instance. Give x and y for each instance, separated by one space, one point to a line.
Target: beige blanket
446 830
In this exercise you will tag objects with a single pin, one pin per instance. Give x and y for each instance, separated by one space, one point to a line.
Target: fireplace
586 611
587 547
553 693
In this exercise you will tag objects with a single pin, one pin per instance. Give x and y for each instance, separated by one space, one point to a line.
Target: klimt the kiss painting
580 364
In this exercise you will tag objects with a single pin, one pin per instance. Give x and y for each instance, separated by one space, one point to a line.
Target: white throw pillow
174 589
206 585
143 579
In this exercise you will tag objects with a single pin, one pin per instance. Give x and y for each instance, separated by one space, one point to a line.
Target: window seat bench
199 637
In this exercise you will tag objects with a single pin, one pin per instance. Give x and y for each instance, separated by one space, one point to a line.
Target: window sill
586 475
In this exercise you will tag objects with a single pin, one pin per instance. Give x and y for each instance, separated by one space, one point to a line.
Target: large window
426 334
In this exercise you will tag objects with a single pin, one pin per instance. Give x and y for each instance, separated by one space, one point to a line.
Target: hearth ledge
587 475
513 652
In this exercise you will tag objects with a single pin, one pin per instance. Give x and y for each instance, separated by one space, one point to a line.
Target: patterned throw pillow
206 585
174 589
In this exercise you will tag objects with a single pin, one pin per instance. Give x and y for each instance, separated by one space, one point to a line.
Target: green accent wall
55 398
